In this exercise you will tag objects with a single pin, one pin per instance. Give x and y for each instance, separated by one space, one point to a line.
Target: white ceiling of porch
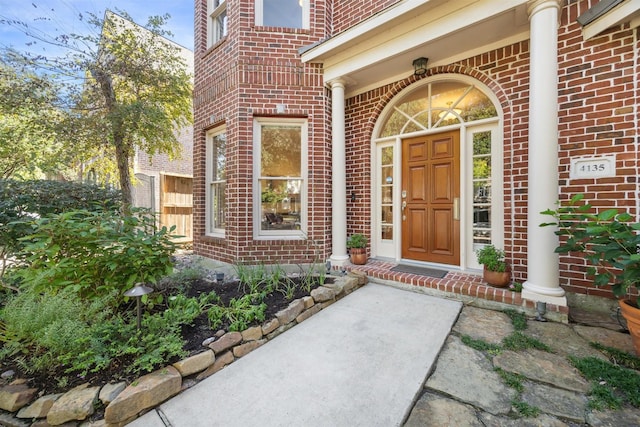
382 48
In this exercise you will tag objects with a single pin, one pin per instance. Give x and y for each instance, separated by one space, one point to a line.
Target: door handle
456 209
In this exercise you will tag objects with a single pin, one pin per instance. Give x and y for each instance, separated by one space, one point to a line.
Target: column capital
335 83
535 6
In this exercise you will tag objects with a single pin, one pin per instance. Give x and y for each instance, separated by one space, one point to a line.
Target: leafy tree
28 119
125 87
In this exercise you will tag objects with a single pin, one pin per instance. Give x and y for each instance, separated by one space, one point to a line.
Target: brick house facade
511 85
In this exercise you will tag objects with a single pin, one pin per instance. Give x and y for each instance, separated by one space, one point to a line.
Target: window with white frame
280 150
217 21
282 13
216 182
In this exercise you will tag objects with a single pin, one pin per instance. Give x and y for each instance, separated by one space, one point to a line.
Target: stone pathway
466 390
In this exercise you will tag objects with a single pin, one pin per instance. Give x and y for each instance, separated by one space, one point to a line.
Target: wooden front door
430 198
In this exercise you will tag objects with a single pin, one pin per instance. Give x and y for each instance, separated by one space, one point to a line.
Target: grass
524 409
519 341
612 386
518 319
481 345
618 357
515 381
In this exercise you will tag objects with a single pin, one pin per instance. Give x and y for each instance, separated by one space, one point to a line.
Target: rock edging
125 402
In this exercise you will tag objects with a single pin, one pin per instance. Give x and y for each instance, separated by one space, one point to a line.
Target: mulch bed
193 335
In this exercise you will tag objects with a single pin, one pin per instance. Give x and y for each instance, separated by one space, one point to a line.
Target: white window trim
212 26
258 232
215 232
306 12
497 184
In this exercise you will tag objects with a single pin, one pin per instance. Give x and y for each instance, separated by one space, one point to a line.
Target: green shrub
23 201
95 253
240 313
43 332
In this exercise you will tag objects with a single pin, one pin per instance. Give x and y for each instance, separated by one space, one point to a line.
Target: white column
542 262
339 255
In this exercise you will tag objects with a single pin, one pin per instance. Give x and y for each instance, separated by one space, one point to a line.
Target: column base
541 294
338 260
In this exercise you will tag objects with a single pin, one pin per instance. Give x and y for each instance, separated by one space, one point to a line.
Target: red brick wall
599 115
245 76
506 72
346 13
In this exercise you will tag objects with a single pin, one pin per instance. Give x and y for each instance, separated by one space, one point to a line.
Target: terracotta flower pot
632 315
358 256
497 278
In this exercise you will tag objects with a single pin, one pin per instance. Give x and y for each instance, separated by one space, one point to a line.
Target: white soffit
627 11
382 48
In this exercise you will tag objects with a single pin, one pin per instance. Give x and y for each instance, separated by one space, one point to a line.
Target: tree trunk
123 149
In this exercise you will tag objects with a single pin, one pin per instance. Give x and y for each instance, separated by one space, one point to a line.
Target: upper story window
283 13
216 182
217 21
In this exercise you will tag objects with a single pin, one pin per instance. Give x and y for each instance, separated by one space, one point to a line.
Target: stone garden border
126 402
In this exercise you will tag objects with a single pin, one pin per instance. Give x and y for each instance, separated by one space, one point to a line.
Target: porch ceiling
382 48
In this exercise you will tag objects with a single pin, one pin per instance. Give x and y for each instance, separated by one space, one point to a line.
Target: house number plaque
593 167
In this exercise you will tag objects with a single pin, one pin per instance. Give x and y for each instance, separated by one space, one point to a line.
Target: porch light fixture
420 66
138 291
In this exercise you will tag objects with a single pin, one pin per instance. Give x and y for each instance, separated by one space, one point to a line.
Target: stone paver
435 411
554 386
619 418
468 376
543 367
562 339
606 337
542 420
561 403
486 325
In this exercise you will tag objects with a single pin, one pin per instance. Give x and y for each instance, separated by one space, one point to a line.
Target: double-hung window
217 21
280 178
216 182
283 13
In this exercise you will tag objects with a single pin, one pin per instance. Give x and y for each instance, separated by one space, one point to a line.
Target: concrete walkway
360 362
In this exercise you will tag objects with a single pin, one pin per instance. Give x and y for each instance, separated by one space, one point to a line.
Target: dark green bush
95 253
23 201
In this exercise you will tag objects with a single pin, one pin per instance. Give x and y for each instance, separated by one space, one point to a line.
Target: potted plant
609 242
357 245
496 270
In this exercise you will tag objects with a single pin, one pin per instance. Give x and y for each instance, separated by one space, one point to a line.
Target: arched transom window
436 105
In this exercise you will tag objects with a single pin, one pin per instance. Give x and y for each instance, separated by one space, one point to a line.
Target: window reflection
281 177
386 193
482 187
436 105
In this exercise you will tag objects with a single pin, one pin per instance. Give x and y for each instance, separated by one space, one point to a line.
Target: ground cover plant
68 321
614 383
